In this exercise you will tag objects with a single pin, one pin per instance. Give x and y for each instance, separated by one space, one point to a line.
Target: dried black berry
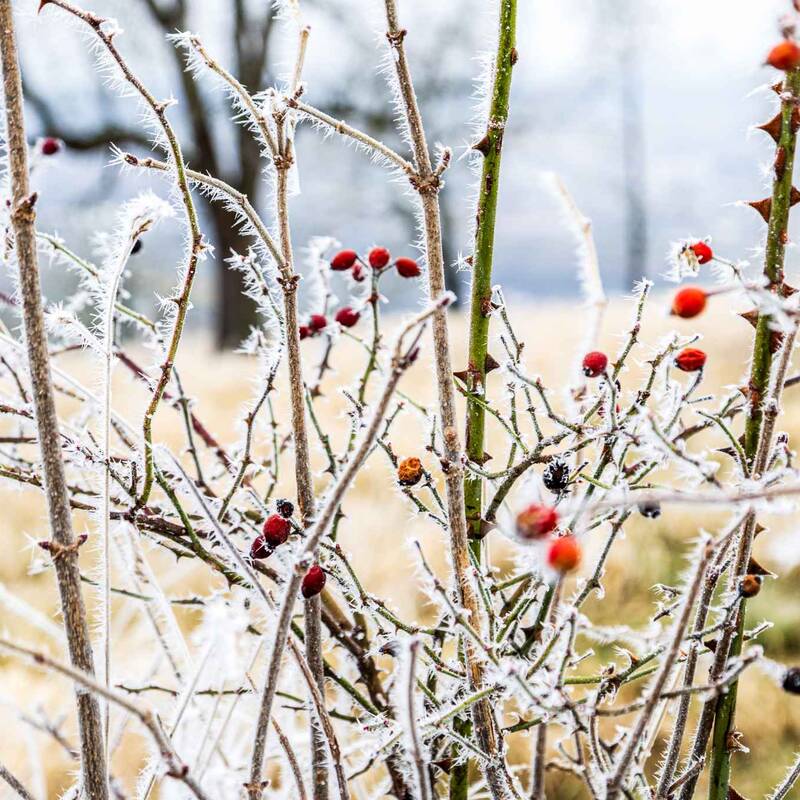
556 475
284 507
650 510
791 680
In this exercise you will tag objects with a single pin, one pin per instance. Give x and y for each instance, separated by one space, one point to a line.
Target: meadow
380 527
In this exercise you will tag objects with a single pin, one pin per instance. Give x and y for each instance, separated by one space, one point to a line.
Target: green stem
719 779
481 292
481 305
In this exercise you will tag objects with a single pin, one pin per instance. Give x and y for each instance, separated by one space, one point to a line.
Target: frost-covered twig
195 244
175 767
63 544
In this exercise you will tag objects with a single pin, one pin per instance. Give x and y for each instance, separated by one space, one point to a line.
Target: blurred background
643 108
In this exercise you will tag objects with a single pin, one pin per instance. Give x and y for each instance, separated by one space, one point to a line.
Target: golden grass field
380 526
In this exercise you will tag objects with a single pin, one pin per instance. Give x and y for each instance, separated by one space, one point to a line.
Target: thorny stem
758 436
63 544
490 146
427 184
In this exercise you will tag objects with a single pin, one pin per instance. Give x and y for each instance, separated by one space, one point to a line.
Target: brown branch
427 184
93 762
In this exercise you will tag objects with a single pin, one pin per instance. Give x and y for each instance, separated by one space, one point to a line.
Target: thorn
778 87
462 375
735 744
482 146
773 127
751 317
754 568
763 207
490 363
794 196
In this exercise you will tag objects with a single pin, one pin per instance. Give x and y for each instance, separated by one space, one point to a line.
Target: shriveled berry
690 359
556 475
313 581
409 471
689 302
379 257
750 585
357 273
137 246
305 332
594 364
703 253
650 510
259 548
564 553
317 322
343 260
408 268
791 680
785 55
284 507
536 520
50 146
276 530
347 317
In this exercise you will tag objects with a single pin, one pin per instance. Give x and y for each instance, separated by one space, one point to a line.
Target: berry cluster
688 302
274 533
376 262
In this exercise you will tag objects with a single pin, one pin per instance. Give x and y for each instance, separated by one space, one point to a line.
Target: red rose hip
785 56
690 359
317 322
594 364
50 146
536 520
259 549
276 530
347 317
703 253
379 257
343 260
305 332
564 553
689 302
313 581
408 268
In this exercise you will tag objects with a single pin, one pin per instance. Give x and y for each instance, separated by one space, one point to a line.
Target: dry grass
380 526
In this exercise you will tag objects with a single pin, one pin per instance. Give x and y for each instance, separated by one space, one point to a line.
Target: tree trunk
235 312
